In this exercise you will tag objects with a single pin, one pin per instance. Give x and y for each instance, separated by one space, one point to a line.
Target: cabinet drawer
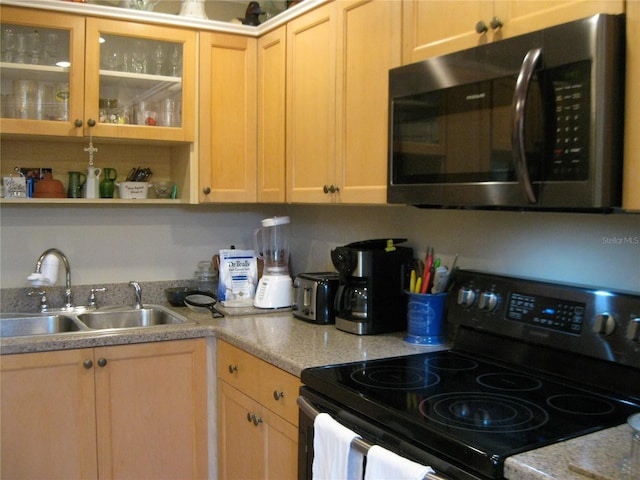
279 391
238 368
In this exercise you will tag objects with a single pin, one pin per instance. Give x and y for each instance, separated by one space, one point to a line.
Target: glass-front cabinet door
41 72
69 75
140 80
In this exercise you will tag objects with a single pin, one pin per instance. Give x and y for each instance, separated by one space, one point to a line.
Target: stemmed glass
33 46
159 56
21 48
8 44
51 49
175 61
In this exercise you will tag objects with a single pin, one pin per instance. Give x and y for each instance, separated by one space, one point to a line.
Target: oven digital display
546 312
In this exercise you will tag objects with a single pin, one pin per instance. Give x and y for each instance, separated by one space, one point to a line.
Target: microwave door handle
517 125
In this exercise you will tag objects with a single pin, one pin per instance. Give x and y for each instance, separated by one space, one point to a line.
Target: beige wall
145 243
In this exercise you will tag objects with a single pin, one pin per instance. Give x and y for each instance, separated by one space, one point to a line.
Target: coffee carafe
272 247
373 277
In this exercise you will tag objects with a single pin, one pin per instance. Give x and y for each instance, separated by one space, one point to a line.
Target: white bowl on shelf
133 190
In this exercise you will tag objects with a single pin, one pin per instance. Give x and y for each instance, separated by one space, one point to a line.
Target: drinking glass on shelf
175 61
33 44
8 44
21 48
113 59
158 56
44 101
24 92
168 116
138 58
51 49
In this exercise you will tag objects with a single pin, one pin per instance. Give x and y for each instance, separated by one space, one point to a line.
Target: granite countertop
293 345
599 456
277 338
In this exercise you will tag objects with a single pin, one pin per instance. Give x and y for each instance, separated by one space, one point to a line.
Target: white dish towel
333 457
383 464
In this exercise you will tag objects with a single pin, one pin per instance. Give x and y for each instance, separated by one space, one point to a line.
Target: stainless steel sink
83 320
20 325
132 318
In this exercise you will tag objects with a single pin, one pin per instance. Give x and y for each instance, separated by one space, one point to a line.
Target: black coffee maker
373 277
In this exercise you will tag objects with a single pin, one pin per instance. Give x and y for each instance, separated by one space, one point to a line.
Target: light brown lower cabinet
257 418
132 411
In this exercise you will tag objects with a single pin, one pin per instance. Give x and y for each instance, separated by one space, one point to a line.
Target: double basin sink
84 320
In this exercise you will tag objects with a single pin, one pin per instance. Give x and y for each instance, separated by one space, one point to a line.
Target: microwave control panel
570 158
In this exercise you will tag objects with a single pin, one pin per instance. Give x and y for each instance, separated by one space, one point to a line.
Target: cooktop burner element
509 381
396 378
482 412
581 404
440 362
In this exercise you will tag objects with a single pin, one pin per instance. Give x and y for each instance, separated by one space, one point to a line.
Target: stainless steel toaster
314 295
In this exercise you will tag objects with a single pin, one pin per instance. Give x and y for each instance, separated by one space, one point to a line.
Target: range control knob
633 330
604 324
466 297
488 301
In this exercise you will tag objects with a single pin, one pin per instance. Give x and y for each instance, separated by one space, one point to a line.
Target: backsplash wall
152 243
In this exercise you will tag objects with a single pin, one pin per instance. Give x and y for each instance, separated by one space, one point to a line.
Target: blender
272 247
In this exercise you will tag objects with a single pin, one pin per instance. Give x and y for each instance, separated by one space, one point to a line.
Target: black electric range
537 364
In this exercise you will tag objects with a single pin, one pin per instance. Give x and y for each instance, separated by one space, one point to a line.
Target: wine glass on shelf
51 49
21 48
33 45
8 44
159 57
138 58
176 58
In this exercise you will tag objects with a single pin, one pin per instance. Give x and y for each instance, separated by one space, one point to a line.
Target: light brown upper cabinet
272 53
436 27
228 130
338 57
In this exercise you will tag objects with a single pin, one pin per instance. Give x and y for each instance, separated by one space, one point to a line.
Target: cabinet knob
257 420
87 364
252 417
233 368
102 362
77 123
277 395
495 23
481 27
330 189
91 122
206 190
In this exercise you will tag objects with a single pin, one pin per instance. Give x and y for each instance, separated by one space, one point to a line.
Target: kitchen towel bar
360 445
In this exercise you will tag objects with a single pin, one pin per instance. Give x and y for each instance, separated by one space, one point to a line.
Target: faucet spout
138 294
67 267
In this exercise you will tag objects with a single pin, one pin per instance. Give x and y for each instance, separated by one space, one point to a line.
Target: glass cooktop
471 411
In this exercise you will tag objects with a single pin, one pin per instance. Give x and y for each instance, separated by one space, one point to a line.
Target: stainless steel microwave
533 121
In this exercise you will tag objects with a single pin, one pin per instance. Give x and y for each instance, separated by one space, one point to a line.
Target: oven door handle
357 443
517 122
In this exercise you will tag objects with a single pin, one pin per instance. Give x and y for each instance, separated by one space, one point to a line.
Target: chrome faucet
138 294
67 292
